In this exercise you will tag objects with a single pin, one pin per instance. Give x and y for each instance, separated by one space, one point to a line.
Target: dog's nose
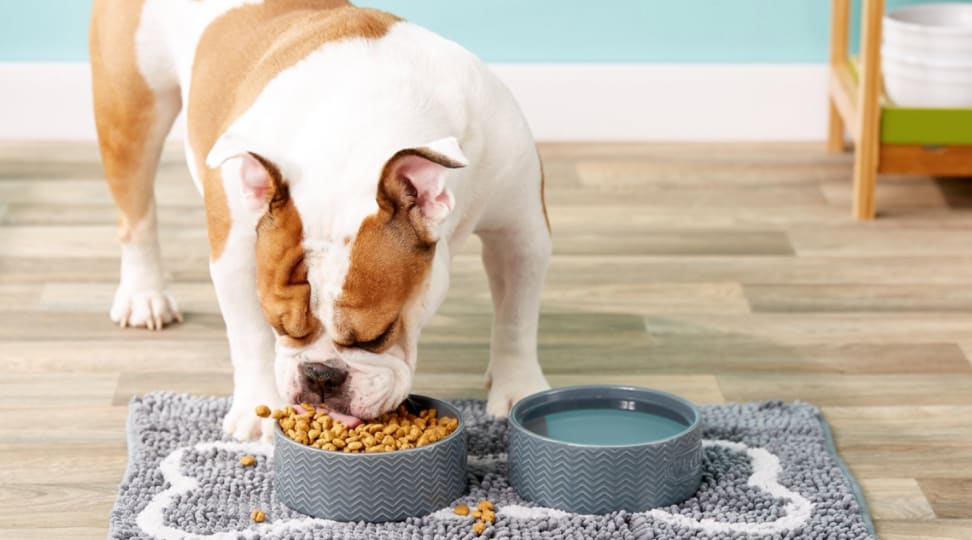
323 375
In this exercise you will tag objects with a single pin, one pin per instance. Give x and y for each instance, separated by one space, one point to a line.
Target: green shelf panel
912 125
904 125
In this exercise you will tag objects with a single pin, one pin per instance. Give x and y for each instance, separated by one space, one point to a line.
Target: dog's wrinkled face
347 306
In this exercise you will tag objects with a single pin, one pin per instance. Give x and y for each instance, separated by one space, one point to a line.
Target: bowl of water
596 449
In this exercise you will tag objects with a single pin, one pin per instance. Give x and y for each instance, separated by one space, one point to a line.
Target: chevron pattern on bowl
588 479
380 487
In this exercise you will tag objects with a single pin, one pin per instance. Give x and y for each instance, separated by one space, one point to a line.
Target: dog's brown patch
243 50
124 108
388 263
390 259
280 268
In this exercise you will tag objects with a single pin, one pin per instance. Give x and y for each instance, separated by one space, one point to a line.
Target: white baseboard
563 102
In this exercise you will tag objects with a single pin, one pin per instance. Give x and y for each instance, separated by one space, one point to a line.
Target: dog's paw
506 390
242 423
152 309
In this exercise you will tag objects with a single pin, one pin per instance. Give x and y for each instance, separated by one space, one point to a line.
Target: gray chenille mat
770 472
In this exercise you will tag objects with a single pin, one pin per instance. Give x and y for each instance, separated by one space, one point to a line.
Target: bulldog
343 156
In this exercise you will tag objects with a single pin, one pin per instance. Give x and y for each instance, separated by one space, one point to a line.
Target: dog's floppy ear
414 181
260 179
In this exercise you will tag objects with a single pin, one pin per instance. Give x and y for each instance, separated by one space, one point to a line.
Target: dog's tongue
350 421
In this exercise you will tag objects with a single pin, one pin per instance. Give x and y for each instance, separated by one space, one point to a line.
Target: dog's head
343 276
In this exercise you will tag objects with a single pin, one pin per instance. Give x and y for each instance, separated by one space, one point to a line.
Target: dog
343 155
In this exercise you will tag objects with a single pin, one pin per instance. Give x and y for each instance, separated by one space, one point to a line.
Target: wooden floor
720 272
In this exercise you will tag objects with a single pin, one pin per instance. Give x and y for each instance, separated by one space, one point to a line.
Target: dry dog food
483 514
397 430
258 516
246 461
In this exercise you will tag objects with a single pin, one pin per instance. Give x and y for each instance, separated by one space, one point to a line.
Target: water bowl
597 449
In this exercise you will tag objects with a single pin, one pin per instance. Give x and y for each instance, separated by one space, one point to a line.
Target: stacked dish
926 56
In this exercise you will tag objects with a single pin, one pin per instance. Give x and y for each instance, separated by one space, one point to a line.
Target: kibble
246 461
397 430
258 516
484 513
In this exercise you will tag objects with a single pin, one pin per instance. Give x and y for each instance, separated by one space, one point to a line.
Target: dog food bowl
601 448
378 487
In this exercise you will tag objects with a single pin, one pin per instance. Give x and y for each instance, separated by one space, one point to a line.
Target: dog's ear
260 179
261 182
414 181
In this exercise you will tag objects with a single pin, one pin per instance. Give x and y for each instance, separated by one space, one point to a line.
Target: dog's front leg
516 263
251 340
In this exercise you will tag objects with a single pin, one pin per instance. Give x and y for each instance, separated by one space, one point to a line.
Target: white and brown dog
343 156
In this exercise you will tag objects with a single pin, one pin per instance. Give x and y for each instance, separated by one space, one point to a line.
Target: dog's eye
377 343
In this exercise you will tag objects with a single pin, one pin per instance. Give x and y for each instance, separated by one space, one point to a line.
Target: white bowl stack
926 56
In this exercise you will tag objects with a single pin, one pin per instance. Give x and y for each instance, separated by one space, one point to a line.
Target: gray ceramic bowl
558 457
372 487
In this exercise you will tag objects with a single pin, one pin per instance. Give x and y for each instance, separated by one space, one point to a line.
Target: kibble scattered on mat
258 516
483 514
397 430
246 461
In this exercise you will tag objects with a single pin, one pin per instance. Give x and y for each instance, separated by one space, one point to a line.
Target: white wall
563 102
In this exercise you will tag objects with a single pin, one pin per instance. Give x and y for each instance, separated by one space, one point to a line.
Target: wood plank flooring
722 272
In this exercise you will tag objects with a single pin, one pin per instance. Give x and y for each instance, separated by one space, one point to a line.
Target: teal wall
601 31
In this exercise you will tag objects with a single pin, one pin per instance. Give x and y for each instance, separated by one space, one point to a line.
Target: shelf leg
839 25
835 130
869 110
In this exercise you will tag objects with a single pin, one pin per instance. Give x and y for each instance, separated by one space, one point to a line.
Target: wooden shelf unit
887 139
